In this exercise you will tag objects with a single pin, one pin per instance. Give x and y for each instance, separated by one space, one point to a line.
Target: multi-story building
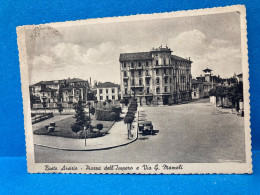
69 90
155 76
107 91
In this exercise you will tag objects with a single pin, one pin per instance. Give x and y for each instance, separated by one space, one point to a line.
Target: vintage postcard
164 93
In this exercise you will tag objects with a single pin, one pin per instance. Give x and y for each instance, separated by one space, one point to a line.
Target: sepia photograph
157 93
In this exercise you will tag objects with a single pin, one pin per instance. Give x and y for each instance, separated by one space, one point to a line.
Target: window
125 90
106 90
133 82
106 97
146 63
158 90
101 97
164 71
113 90
146 72
77 92
165 89
170 80
132 74
147 90
113 97
157 71
169 61
124 65
157 62
166 80
132 65
147 82
139 64
140 81
100 91
157 80
164 62
140 73
125 73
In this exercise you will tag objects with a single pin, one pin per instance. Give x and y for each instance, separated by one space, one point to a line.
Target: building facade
64 91
156 76
107 91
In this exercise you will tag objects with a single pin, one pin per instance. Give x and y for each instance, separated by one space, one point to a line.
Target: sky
211 41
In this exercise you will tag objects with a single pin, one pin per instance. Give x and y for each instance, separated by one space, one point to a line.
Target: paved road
189 133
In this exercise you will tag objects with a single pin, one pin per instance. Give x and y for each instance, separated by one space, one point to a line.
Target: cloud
73 60
220 55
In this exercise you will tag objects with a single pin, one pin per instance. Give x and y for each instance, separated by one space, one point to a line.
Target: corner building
155 77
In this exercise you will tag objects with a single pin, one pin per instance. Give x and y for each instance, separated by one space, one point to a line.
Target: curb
94 149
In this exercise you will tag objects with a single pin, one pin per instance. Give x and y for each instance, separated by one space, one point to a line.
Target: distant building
155 76
70 90
107 91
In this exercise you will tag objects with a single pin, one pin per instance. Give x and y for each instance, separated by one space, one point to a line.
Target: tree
129 120
80 116
104 104
60 107
70 103
109 101
33 100
235 94
60 98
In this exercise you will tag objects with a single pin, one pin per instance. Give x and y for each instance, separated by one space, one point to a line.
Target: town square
164 93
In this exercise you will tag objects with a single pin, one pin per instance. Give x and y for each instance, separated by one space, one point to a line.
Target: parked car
146 127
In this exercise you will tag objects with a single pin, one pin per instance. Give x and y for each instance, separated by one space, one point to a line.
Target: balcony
148 94
162 66
137 86
147 76
125 77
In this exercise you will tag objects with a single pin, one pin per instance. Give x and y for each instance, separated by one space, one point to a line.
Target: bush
99 126
104 115
112 116
75 127
128 120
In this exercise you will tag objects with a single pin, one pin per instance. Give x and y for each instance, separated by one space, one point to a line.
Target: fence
41 117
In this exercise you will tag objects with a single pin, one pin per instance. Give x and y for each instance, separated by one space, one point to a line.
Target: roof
194 81
135 56
107 85
74 80
47 89
207 70
179 58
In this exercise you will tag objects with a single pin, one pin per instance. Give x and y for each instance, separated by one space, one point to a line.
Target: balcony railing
137 86
163 66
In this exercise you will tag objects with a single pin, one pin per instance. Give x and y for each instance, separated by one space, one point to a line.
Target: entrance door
165 100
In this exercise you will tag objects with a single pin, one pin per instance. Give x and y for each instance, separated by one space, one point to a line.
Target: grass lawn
63 129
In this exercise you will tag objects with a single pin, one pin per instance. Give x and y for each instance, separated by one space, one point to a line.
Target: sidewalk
116 137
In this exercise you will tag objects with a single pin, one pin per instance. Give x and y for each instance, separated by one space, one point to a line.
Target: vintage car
146 127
